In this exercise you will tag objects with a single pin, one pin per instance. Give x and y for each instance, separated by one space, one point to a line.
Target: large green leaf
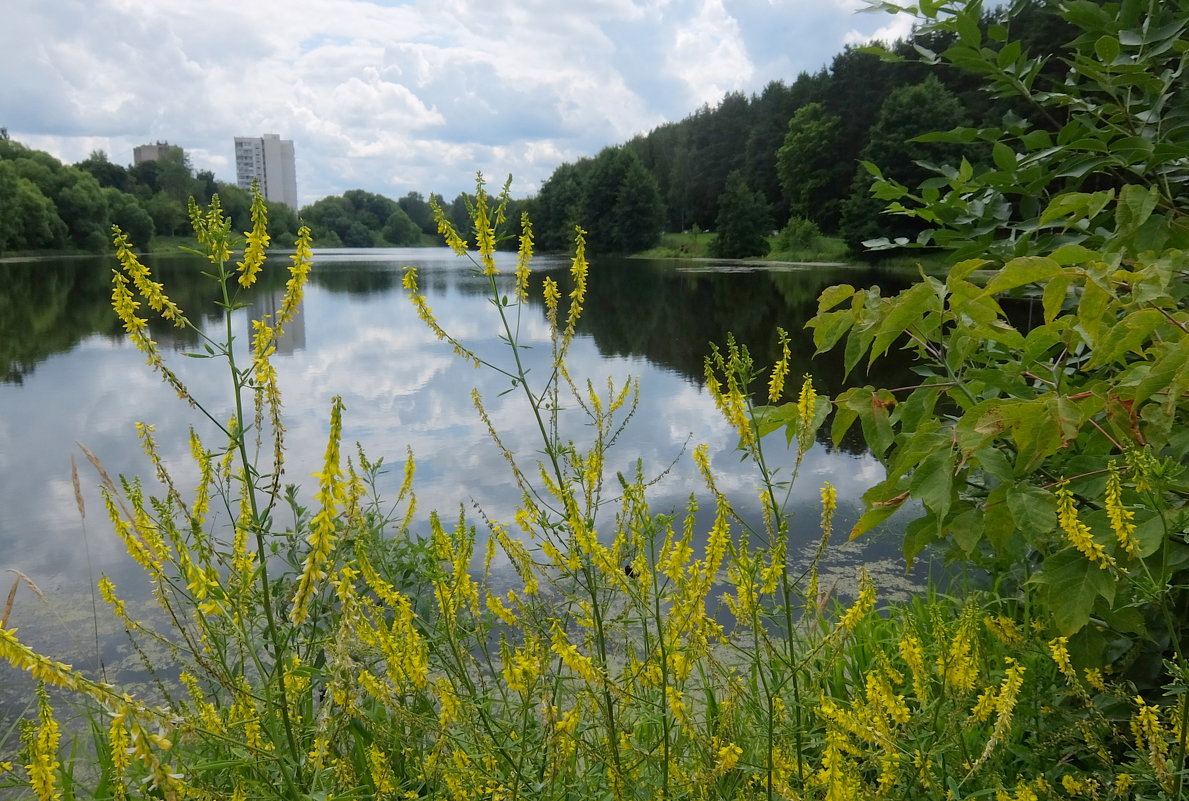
1071 585
1023 271
904 311
1033 510
933 481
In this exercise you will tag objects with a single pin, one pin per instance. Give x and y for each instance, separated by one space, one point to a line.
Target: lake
67 375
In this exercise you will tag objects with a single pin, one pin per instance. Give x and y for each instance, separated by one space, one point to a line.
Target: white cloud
899 28
392 97
709 55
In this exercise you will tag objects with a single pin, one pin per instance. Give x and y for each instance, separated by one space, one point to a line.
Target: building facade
143 153
268 160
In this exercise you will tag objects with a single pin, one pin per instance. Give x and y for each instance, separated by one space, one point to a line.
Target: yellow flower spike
806 412
299 272
862 605
1120 516
257 241
578 273
780 370
42 748
578 663
1152 741
958 664
446 229
151 291
552 295
322 535
484 229
1060 654
1005 704
381 771
212 228
913 654
524 257
1078 532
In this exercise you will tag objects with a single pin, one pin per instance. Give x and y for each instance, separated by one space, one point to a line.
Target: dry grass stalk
105 477
12 594
78 492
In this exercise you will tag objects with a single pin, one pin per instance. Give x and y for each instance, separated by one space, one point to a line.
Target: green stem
275 640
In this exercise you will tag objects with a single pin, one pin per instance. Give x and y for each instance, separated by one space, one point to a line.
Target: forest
787 158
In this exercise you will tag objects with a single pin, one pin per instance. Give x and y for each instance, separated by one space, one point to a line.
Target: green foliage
130 215
806 165
1043 438
30 219
744 222
798 234
615 196
1116 117
1007 411
907 112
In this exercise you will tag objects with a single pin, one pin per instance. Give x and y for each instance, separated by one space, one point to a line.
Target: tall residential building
267 159
143 153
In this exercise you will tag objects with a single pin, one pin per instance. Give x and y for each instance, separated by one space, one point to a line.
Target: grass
691 245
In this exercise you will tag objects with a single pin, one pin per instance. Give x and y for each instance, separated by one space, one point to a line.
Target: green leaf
1073 254
1033 510
966 530
907 308
828 328
882 501
1054 296
1135 206
963 269
1004 157
917 535
1161 375
1092 310
995 463
1125 337
999 526
1023 271
1107 49
832 296
1072 584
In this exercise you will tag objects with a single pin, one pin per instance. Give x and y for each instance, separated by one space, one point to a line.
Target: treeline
49 205
792 151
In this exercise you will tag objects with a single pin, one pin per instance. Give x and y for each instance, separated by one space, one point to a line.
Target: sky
393 96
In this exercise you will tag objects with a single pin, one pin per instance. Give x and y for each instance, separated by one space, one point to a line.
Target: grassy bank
699 245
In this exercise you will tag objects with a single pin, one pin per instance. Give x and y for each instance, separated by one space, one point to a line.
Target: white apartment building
267 159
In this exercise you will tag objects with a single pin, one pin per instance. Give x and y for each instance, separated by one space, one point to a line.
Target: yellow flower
780 370
862 605
42 748
806 412
322 527
1060 654
258 240
1120 516
150 290
1078 532
578 271
1151 741
523 257
299 271
446 229
1005 704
